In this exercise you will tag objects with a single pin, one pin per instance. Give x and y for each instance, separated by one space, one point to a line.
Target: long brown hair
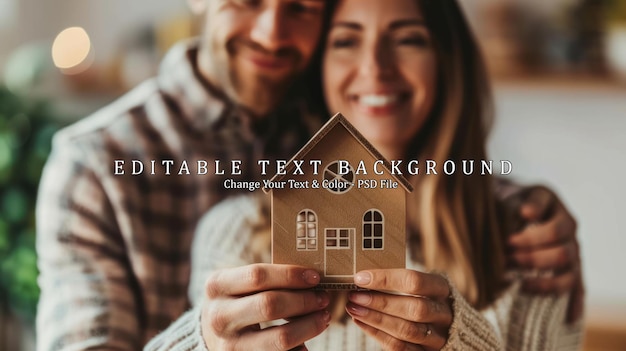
455 216
455 221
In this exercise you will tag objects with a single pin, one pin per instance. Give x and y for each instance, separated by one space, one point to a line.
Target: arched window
373 230
306 231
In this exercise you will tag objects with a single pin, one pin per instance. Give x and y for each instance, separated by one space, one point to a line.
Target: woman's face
380 70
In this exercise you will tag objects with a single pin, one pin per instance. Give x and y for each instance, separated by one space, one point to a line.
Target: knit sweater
515 321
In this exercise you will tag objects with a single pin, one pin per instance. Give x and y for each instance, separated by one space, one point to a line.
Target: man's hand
547 244
238 300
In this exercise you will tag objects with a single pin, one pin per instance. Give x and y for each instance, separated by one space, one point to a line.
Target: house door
339 252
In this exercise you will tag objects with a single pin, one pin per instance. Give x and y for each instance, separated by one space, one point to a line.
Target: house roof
332 123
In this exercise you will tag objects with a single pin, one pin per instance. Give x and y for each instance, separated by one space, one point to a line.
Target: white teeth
376 100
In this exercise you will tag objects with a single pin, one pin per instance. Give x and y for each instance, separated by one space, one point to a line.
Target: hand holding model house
351 220
352 231
335 236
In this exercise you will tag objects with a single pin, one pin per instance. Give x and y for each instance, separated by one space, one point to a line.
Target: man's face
253 49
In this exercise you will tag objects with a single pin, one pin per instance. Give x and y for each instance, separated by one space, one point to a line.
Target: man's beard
258 92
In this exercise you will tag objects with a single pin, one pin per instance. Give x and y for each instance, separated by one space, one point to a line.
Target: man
113 240
114 249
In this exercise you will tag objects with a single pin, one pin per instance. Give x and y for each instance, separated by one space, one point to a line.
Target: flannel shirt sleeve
86 297
88 293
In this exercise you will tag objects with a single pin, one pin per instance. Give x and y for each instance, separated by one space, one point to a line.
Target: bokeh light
71 51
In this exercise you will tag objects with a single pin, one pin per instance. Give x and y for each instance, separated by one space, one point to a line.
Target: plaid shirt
114 249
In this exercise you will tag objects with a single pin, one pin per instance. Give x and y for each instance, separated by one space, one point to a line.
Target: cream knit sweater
516 321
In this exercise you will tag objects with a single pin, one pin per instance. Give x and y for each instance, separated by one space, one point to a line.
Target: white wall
573 138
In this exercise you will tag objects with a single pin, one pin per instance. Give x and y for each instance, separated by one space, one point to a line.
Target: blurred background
559 72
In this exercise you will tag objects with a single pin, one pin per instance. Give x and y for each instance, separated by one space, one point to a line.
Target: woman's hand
239 299
418 320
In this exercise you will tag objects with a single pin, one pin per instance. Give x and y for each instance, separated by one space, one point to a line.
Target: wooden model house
341 226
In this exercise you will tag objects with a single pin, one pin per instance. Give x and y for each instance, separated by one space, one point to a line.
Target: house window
373 230
338 238
306 231
338 183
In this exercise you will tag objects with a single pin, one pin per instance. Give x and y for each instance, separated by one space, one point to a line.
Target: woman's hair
456 216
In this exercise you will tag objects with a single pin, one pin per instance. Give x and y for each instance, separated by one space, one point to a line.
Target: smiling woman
409 75
378 71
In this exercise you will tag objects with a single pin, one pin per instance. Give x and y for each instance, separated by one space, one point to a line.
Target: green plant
26 129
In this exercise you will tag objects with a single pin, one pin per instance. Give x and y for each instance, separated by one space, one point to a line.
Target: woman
408 75
410 79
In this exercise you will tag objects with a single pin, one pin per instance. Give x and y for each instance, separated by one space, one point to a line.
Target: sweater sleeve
183 335
470 330
520 322
233 233
538 323
218 243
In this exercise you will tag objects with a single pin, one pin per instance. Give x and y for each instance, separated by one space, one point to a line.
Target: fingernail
323 299
311 277
363 278
357 310
326 317
360 298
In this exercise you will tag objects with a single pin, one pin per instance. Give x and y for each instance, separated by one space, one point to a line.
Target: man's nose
269 29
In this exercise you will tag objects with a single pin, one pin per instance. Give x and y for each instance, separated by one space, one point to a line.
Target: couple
115 250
